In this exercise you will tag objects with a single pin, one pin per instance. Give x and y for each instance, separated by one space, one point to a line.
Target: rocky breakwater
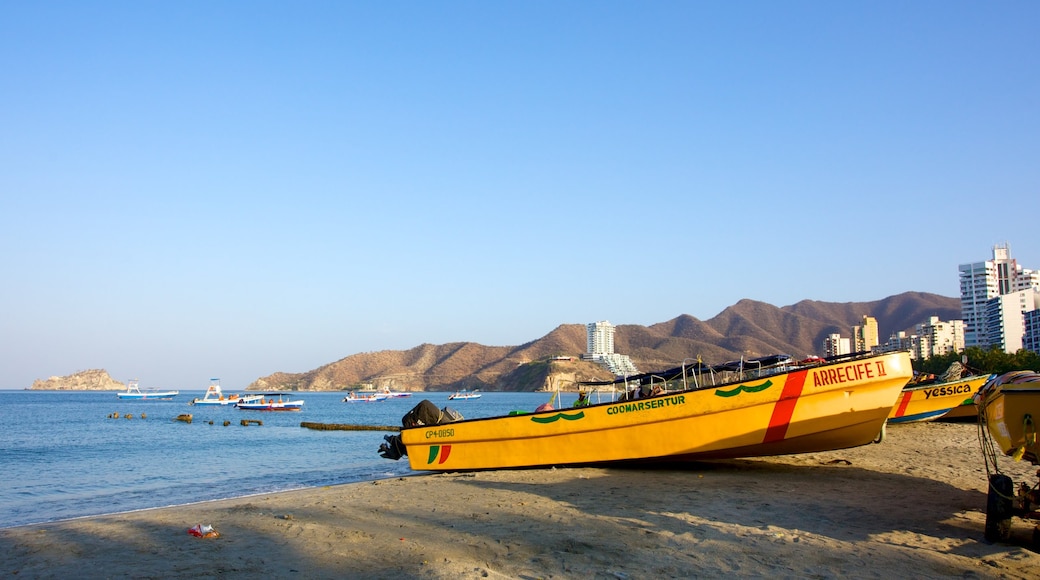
89 380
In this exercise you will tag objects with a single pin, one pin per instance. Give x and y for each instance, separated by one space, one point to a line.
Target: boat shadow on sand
748 517
831 506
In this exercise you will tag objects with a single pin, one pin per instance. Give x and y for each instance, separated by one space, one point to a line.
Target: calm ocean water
62 457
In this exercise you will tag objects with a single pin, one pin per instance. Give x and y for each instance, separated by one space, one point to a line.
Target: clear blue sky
201 189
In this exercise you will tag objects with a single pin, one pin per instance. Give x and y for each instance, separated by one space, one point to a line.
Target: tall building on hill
981 282
599 341
599 337
865 336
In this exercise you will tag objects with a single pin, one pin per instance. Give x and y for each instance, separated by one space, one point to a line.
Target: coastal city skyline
195 191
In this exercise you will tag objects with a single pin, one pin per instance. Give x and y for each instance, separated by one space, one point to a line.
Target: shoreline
913 505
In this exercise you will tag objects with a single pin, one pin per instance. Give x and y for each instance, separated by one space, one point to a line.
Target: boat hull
294 406
1009 406
933 401
833 406
160 396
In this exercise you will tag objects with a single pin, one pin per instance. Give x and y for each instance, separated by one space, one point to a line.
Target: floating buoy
129 416
186 418
226 423
247 422
143 416
114 415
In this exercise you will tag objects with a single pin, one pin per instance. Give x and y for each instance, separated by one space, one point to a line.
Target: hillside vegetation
748 328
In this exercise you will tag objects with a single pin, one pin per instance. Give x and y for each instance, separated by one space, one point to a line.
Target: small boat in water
772 406
214 396
134 393
353 397
1009 410
395 394
464 394
929 398
271 402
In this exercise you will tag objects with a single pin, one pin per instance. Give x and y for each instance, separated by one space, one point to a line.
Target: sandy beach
912 506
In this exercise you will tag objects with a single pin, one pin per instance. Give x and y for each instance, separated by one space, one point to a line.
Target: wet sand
912 506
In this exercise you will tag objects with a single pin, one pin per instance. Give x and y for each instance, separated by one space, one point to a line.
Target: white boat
271 402
353 397
134 393
214 396
464 394
394 394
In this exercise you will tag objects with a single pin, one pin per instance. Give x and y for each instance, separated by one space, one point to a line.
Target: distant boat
353 397
395 394
133 393
464 394
761 407
271 402
214 396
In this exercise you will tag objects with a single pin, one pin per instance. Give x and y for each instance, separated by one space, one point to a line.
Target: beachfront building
981 282
835 345
897 342
1006 319
865 336
937 338
1031 337
599 341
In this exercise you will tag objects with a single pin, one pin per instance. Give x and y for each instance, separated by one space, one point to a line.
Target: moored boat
464 394
271 402
395 394
764 410
1009 409
353 397
134 393
214 396
935 398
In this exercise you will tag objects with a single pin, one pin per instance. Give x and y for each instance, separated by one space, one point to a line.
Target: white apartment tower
1006 319
983 281
599 337
835 345
599 341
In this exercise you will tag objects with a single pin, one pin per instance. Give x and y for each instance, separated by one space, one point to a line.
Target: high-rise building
983 281
937 338
1031 338
865 336
599 340
835 345
599 337
1006 319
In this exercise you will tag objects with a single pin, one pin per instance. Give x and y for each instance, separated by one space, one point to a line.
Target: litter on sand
203 531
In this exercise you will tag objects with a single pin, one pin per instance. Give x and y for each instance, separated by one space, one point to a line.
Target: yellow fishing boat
766 409
1009 409
928 401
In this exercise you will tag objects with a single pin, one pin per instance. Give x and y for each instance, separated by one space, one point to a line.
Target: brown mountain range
748 328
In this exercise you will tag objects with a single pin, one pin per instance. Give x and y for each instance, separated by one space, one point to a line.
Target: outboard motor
425 413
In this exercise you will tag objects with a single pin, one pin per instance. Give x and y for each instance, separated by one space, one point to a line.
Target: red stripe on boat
903 403
445 452
784 409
